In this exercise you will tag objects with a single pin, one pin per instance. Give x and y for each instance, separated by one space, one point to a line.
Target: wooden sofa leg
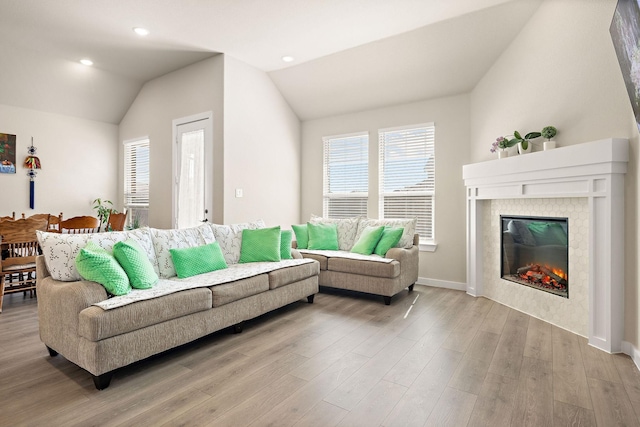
411 287
102 381
387 300
310 298
238 328
52 352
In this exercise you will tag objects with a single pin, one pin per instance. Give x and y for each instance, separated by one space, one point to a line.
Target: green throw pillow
302 236
97 265
548 233
197 260
368 240
258 245
285 244
323 236
390 238
135 263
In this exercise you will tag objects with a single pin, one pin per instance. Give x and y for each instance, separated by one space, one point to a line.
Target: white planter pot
522 150
502 154
549 145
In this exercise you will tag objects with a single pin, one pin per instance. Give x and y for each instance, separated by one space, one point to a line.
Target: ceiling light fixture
86 62
288 58
141 31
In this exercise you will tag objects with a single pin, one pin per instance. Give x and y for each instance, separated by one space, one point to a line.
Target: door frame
208 154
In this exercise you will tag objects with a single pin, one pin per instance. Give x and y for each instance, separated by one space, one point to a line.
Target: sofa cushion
364 268
390 238
409 226
322 260
60 250
302 236
135 263
230 292
164 240
260 245
96 324
286 237
368 240
347 230
97 265
230 238
189 262
323 236
288 275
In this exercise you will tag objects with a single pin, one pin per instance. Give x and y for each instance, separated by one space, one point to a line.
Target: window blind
136 180
407 176
346 176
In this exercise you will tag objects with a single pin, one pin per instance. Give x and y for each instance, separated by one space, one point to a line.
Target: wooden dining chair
116 222
11 217
80 225
54 221
19 251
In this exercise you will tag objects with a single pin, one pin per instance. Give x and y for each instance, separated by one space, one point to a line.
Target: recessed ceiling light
288 58
86 62
141 31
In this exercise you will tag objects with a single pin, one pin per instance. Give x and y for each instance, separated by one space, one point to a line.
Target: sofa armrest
59 306
296 254
409 263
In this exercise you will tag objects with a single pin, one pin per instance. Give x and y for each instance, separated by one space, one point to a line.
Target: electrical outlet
238 192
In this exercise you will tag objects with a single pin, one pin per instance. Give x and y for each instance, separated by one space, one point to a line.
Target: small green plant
549 132
135 222
517 138
103 209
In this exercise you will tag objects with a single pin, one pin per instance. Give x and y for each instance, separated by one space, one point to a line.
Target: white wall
79 162
191 90
562 70
451 118
261 149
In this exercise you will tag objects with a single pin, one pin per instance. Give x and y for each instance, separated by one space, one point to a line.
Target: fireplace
535 253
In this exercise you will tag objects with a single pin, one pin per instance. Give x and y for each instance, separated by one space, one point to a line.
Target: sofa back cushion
230 238
164 240
409 226
347 229
60 250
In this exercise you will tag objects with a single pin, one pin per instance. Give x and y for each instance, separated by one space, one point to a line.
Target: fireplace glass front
535 253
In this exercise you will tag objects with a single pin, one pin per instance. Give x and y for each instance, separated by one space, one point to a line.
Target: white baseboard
442 284
631 351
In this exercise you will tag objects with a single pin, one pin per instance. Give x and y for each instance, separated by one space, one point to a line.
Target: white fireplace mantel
593 170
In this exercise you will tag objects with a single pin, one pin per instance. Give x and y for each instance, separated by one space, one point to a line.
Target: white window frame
327 195
138 198
427 243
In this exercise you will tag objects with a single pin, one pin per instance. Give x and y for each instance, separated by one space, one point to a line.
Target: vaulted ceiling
349 55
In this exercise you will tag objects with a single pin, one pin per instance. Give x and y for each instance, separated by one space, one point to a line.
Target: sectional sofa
101 333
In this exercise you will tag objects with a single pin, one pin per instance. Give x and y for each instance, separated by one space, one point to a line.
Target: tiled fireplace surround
583 182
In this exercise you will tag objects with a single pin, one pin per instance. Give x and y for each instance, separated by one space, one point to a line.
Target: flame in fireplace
557 271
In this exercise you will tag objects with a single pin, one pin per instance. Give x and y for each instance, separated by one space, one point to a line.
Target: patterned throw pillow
302 236
230 238
368 240
97 265
197 260
409 226
347 229
286 236
260 245
164 240
390 238
135 263
323 236
60 250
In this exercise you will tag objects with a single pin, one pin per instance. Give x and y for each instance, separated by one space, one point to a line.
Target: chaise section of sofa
101 333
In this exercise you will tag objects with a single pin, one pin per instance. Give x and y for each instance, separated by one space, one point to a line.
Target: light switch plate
238 192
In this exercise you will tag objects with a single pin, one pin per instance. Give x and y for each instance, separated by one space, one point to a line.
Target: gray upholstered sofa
379 275
124 329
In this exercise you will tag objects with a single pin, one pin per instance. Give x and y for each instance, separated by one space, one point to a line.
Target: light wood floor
345 360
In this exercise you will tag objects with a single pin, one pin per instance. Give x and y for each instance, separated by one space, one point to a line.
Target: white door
193 160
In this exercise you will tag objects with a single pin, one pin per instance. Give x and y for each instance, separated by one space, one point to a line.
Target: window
136 181
346 176
407 176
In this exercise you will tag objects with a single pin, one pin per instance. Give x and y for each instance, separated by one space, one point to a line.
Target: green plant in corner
549 132
103 209
517 138
135 222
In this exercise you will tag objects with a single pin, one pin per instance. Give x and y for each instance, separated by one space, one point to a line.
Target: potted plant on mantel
549 132
523 143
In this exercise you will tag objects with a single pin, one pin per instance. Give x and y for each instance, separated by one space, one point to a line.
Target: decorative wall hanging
7 153
32 163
